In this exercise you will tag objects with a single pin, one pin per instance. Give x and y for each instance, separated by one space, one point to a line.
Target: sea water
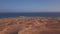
32 14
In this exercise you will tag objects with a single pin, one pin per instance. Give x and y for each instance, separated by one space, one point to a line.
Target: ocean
32 14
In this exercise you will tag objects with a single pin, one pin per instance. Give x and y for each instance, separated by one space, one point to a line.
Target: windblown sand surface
30 25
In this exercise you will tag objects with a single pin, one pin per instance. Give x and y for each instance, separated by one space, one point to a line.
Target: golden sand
30 25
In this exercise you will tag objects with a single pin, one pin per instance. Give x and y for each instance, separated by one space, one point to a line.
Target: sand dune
30 25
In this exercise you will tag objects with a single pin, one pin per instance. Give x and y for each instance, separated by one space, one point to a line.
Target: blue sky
29 5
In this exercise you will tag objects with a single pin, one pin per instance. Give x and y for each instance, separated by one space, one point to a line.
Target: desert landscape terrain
30 25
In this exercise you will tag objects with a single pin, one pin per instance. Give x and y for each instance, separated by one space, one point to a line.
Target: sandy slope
30 25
